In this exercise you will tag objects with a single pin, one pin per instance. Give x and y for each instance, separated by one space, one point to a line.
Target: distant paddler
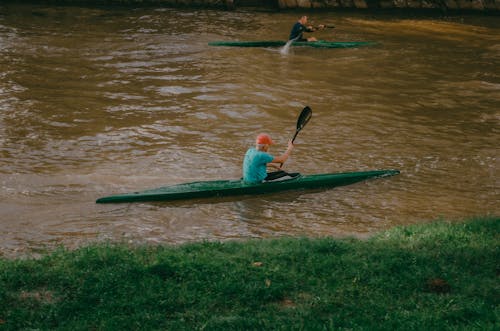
296 34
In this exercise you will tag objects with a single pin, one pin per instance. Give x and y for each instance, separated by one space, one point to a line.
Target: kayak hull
224 188
281 43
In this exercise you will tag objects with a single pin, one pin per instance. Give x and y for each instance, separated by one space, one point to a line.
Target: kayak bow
280 43
223 188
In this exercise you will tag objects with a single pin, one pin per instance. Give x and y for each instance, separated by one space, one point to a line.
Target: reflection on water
95 101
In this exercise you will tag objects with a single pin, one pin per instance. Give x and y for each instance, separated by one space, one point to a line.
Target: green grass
437 276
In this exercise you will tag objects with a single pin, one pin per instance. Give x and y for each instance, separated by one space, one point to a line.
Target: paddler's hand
290 146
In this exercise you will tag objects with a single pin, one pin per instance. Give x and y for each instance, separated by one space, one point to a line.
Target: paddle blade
304 117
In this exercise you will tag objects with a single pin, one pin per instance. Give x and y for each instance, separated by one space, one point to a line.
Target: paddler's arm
282 158
311 28
274 165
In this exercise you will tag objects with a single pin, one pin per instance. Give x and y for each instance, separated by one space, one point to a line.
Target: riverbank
437 276
479 6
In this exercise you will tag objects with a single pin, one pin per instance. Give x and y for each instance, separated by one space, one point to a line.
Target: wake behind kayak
225 188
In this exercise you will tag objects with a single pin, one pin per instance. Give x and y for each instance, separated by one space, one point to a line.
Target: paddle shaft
325 26
295 135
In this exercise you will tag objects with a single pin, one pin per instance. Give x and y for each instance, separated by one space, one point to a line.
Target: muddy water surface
101 101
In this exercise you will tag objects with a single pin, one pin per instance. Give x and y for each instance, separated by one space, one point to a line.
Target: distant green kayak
280 43
224 188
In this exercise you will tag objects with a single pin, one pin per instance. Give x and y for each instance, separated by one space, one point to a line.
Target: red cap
264 139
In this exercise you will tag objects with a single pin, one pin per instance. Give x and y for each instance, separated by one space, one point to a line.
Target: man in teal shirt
257 159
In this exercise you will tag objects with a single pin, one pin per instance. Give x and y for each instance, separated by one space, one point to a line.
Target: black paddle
325 26
304 117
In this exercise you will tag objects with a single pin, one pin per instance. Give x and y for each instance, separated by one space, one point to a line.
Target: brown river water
97 101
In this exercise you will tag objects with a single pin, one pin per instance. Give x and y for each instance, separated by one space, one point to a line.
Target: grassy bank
439 276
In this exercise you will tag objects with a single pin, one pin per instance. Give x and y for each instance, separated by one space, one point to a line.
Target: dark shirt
297 31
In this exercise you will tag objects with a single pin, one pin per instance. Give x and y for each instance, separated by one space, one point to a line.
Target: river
97 101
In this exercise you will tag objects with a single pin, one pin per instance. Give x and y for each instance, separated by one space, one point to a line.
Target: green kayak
280 43
224 188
